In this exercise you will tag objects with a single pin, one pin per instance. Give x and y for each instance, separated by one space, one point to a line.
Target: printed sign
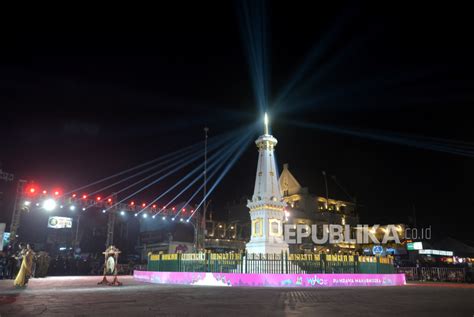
270 280
414 246
59 222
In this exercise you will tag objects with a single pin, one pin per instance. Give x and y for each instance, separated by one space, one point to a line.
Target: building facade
310 209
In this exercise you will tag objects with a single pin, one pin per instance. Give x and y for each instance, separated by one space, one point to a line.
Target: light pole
204 212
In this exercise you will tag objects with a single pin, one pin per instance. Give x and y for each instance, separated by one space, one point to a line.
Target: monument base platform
262 247
270 280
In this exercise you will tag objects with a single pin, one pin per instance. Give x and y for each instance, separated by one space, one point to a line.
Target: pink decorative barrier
270 280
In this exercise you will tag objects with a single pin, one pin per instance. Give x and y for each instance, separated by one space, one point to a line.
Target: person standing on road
24 274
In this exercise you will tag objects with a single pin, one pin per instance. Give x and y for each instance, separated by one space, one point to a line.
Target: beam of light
392 138
214 143
184 161
172 159
314 56
180 151
217 157
163 157
179 167
217 142
164 169
253 27
219 164
222 158
223 173
366 87
354 43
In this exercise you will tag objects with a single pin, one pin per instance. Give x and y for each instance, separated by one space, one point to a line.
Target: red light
109 200
56 193
99 198
184 209
143 205
74 195
154 206
132 203
31 189
173 209
192 210
44 192
84 196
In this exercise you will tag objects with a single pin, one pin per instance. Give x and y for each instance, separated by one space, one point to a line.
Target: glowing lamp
49 204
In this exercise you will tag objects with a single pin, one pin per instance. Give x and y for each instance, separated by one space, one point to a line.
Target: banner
270 280
59 222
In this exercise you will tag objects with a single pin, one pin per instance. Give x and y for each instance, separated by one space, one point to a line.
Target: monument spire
266 123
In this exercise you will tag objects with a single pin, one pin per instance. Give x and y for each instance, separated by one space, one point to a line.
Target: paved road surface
81 296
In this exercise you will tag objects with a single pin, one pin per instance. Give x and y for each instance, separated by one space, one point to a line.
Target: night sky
81 105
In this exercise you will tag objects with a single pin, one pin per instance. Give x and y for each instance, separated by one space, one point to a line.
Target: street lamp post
204 212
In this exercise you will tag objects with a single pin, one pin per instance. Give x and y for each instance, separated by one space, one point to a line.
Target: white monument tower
266 207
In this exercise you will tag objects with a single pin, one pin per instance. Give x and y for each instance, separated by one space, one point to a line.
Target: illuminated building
224 236
306 208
